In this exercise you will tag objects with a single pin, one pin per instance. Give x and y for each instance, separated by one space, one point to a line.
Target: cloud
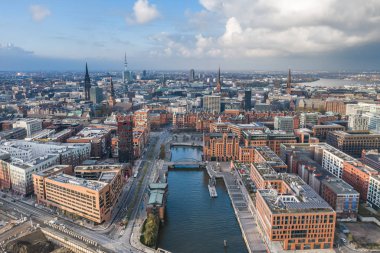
143 12
280 28
39 12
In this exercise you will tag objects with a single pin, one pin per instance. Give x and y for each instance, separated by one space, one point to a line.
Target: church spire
289 83
111 99
218 83
112 89
87 84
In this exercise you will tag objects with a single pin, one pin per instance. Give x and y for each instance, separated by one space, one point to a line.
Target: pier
211 187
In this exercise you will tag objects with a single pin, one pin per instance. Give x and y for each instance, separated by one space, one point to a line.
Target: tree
150 230
162 152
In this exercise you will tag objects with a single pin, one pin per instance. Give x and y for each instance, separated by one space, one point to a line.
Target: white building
332 159
28 157
373 121
358 122
373 197
284 123
352 109
31 125
21 172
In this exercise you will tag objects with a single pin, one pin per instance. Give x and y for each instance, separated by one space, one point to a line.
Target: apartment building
294 216
91 194
358 176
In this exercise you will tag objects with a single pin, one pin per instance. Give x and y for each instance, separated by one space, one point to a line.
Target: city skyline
180 35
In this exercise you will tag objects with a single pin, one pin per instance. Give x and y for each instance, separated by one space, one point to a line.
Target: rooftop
339 186
270 157
90 133
71 180
301 199
266 171
156 197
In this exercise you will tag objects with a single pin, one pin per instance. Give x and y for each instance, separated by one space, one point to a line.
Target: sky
332 35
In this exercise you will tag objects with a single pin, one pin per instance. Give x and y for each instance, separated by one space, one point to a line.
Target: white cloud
143 12
262 28
39 12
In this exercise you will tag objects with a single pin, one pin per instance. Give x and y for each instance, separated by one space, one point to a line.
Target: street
129 202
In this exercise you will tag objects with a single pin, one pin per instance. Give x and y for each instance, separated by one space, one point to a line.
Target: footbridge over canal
186 163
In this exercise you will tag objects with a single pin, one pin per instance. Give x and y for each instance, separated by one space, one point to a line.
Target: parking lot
365 234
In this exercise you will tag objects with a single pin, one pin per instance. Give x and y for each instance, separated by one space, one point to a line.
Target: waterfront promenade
242 208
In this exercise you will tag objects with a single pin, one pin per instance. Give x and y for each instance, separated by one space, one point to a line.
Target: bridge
185 162
187 144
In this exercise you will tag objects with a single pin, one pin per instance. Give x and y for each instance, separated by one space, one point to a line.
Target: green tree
162 152
150 230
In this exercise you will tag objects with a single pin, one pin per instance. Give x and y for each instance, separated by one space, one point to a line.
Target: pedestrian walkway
244 215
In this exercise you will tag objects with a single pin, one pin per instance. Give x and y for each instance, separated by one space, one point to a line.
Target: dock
211 187
212 191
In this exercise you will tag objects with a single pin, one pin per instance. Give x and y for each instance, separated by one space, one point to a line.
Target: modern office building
333 159
247 99
125 135
272 139
92 196
373 121
284 123
358 122
373 197
211 103
294 216
321 131
191 75
28 157
353 143
96 94
30 125
308 118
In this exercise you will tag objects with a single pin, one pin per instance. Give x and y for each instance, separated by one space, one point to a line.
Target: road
114 242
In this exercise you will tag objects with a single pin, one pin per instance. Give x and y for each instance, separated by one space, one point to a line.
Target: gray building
284 123
212 104
96 95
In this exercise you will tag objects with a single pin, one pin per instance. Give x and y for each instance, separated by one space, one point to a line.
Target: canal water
195 222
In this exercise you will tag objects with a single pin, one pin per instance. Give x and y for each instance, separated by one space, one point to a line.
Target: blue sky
184 34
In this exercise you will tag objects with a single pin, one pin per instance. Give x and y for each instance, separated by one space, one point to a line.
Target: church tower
87 84
289 83
111 99
218 88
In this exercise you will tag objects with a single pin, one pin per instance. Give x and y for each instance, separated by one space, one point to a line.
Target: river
195 222
337 83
